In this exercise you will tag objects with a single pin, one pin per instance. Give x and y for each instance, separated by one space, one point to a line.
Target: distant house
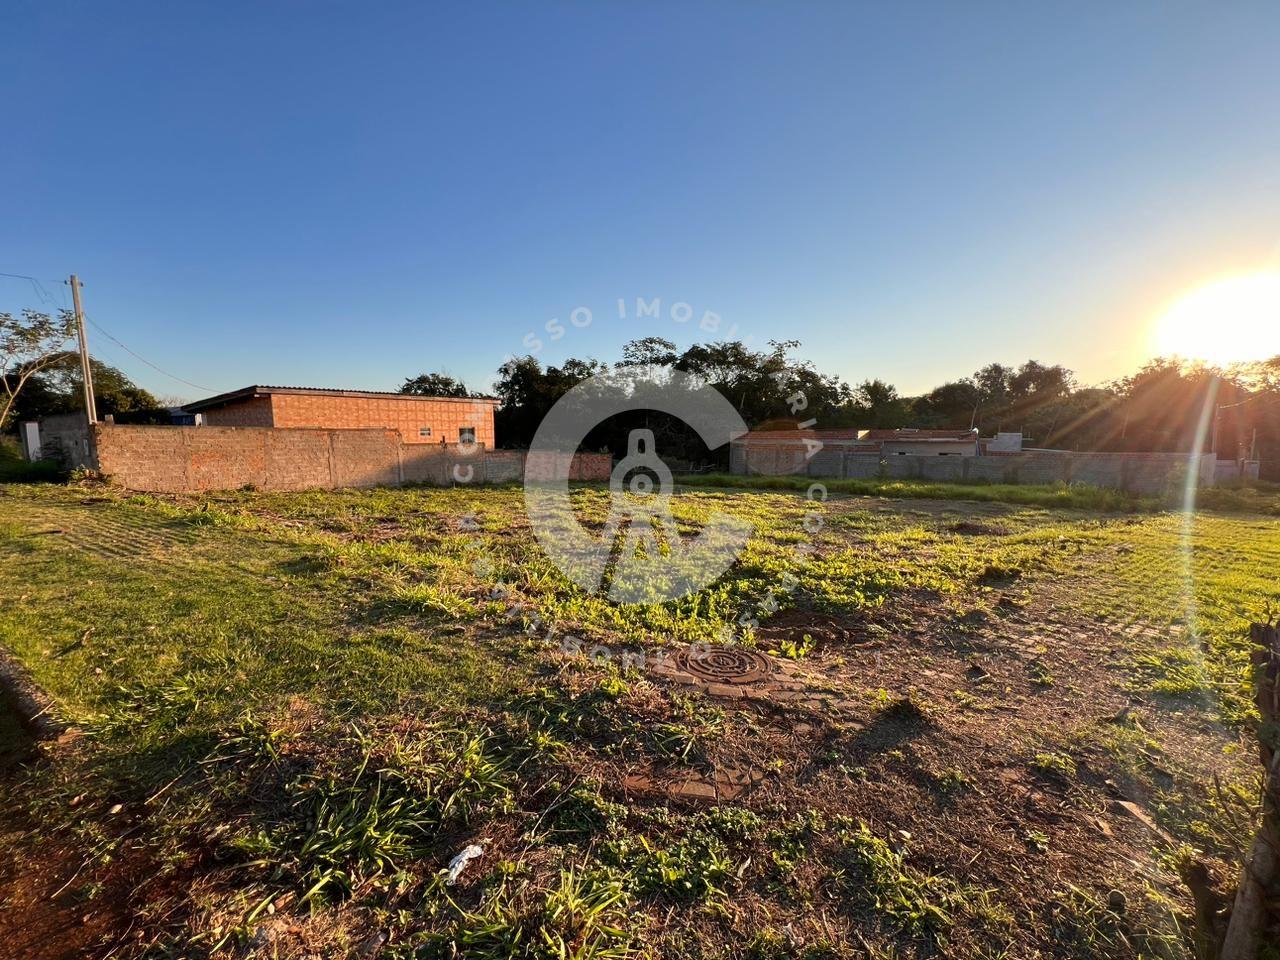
419 419
922 443
831 452
883 443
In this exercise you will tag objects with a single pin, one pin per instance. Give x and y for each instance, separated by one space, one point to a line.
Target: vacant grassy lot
992 729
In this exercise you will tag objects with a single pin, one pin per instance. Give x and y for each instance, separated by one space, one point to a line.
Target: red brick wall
254 412
186 459
406 414
190 459
591 466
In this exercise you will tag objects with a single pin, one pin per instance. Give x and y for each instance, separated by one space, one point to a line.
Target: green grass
328 694
1259 498
14 468
1077 496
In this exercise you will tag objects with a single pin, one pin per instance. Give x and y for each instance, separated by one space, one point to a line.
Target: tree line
1163 407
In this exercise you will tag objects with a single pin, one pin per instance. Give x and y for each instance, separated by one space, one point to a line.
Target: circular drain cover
725 664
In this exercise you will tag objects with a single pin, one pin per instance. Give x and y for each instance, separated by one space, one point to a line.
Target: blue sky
343 194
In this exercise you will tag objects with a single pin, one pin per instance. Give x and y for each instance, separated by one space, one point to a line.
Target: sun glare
1225 321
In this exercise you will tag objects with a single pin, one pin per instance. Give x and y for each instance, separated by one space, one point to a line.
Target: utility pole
86 369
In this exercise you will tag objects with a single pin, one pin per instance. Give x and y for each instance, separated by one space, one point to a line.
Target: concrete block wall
65 438
172 459
1143 473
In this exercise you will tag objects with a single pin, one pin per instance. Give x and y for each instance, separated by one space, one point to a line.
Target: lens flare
1229 320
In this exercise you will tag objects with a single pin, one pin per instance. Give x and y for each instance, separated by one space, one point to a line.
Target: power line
141 359
44 295
36 285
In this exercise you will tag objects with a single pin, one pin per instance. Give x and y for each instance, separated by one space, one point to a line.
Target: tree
113 392
648 352
992 382
528 392
435 385
1035 379
877 404
950 405
28 345
59 388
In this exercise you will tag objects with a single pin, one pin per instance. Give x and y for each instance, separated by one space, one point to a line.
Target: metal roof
247 393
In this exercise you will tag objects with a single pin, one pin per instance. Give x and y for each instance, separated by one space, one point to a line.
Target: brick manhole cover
725 664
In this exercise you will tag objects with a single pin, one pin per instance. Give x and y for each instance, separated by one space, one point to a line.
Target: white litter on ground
459 863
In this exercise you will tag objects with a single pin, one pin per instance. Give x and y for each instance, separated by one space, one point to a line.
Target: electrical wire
36 285
46 297
142 359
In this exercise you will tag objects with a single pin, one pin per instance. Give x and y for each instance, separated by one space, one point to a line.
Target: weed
249 741
877 875
582 812
1040 674
687 739
1061 495
1038 841
1177 672
141 710
613 687
1088 925
953 780
734 824
1054 764
361 825
790 841
579 918
795 649
694 868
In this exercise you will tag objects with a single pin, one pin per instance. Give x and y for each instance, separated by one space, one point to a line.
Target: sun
1228 320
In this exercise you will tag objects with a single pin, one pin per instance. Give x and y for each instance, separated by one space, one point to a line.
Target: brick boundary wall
1142 473
173 459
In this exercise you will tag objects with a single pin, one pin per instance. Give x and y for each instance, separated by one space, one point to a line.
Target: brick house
419 419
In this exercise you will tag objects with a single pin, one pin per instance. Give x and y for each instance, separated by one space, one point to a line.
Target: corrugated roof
834 434
865 436
244 393
910 434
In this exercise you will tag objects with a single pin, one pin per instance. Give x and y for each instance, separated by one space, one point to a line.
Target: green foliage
1087 925
693 868
789 842
795 649
215 618
1054 763
14 468
732 824
59 388
1040 674
580 918
1175 672
877 875
435 385
346 827
1077 496
148 710
29 344
581 813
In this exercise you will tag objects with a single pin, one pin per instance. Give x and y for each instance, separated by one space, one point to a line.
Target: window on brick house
424 431
466 434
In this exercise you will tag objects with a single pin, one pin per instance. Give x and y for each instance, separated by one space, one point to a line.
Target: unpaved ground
941 745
